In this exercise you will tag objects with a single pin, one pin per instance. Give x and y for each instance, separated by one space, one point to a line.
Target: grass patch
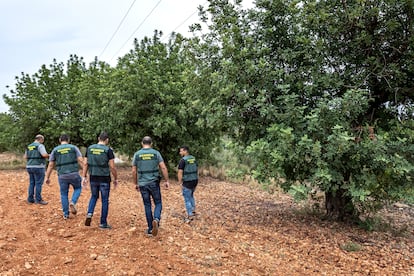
351 247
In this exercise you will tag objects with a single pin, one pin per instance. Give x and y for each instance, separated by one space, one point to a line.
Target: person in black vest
146 164
188 176
67 159
36 156
100 162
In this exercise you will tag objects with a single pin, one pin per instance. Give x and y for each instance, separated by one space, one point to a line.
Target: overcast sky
34 32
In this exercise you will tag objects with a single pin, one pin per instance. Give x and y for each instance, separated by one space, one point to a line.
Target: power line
191 15
117 29
136 29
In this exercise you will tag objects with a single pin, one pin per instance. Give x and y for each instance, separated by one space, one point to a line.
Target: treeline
314 95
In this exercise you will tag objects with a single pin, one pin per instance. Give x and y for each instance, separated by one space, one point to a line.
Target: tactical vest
66 159
98 160
190 169
148 166
33 155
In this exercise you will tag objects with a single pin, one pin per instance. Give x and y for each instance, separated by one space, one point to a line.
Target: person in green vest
100 162
146 165
36 156
188 176
67 159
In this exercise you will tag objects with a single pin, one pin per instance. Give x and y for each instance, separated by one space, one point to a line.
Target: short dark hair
185 148
103 136
147 140
64 137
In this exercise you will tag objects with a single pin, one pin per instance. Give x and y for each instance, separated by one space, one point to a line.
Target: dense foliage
319 93
145 94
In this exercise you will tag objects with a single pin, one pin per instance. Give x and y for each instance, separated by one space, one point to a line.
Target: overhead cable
117 29
191 15
136 29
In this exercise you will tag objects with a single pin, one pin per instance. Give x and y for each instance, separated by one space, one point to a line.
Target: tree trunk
338 205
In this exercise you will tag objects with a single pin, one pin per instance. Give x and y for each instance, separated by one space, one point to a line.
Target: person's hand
84 182
115 183
48 181
167 184
137 187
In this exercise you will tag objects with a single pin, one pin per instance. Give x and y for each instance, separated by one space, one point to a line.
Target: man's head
64 138
103 137
39 138
184 150
147 141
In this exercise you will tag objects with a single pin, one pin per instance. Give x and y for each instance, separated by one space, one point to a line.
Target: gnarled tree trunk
338 205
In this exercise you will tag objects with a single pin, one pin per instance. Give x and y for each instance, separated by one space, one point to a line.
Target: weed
351 247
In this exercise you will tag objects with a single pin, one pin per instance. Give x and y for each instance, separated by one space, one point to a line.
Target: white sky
34 32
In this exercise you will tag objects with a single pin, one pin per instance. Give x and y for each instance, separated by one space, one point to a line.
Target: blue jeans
189 200
37 176
64 184
151 190
103 189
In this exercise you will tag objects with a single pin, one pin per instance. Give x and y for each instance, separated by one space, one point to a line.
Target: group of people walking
148 168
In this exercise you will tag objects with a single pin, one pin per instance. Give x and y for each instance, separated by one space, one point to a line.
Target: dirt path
240 231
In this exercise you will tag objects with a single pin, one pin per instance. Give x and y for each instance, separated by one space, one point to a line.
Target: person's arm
180 172
84 171
180 176
79 158
165 173
135 176
113 171
42 151
50 167
80 162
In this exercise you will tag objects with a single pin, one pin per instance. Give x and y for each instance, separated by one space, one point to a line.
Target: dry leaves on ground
239 231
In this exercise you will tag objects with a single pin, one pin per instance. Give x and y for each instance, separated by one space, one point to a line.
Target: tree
48 102
147 95
315 89
8 133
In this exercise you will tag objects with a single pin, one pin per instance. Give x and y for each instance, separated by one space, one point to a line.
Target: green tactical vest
190 169
33 155
148 166
66 159
98 160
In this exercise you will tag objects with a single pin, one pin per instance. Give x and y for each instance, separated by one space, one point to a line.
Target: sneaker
188 219
73 208
148 233
155 224
88 220
65 217
30 201
105 226
42 202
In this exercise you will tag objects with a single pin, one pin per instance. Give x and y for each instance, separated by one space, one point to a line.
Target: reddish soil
239 231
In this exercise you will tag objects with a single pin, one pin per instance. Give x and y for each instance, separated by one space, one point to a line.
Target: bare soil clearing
239 231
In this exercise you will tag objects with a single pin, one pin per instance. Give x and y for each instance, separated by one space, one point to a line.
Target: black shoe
65 217
30 201
42 202
148 233
105 226
155 225
88 220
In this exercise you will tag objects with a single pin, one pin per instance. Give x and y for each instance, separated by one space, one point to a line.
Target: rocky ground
240 230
